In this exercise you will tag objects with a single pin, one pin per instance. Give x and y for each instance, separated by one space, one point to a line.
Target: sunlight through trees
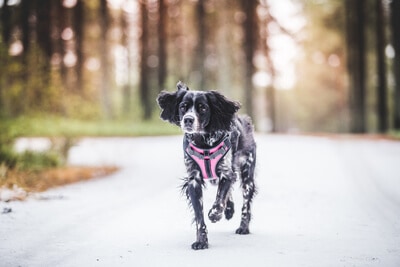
294 65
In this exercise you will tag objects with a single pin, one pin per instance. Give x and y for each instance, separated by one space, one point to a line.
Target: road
321 202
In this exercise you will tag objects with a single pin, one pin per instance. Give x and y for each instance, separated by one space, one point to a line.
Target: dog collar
208 159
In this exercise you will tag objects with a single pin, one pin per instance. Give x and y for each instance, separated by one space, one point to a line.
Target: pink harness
208 159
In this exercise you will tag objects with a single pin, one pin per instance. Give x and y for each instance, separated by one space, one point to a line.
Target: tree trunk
162 44
270 90
355 16
25 28
5 16
144 68
26 11
395 22
225 48
59 23
249 46
6 22
200 50
43 30
78 24
105 70
381 69
126 89
43 27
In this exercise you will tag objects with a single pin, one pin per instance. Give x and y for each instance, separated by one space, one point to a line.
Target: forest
79 81
295 65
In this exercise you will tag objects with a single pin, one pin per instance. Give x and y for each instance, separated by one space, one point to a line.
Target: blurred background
95 67
71 69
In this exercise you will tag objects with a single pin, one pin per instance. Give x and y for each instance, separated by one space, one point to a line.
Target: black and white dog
218 147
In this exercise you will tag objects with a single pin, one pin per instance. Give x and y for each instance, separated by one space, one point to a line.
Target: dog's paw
215 214
243 231
229 210
200 245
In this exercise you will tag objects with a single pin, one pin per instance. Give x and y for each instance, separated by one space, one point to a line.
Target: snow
321 202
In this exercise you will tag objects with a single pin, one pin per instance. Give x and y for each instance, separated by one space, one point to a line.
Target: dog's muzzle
189 123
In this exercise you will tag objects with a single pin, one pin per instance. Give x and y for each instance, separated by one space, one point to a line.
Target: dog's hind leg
249 189
195 195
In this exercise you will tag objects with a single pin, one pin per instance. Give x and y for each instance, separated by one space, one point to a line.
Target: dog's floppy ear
169 102
222 111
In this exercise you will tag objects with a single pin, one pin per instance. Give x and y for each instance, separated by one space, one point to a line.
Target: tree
355 21
78 26
5 16
395 25
381 69
162 44
5 20
266 49
200 51
225 46
43 30
43 27
249 45
144 68
59 23
126 90
105 71
26 6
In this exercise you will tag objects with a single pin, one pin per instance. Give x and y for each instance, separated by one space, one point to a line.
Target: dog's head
197 111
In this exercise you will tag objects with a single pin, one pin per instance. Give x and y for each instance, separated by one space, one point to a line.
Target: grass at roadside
395 134
58 126
53 126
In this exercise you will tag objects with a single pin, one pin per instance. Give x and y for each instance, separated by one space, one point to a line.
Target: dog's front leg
217 210
195 194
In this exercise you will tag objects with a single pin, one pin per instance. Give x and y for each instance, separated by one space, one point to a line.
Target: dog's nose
188 120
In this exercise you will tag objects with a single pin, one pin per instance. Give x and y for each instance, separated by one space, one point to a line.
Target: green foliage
8 157
35 161
7 135
53 126
28 160
395 134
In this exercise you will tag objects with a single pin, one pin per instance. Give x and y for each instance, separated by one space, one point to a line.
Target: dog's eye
183 107
202 108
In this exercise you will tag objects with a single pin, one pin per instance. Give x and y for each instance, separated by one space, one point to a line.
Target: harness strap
208 159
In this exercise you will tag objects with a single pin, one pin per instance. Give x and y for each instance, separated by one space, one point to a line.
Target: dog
219 147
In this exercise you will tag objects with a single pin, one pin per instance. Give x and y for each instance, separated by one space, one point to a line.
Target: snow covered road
321 202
